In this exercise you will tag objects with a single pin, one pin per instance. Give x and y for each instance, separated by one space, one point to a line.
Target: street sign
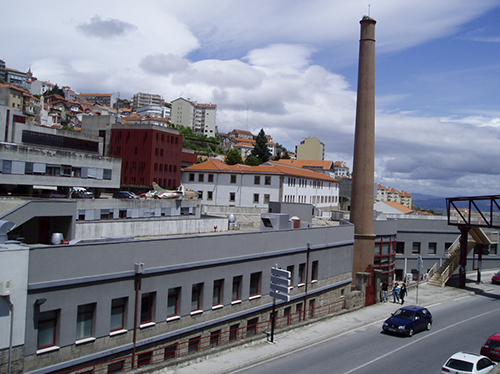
279 288
280 273
280 296
278 280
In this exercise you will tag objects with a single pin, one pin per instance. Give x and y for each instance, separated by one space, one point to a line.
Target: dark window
116 367
267 181
194 344
415 248
147 307
255 279
302 273
145 358
210 195
236 295
255 198
252 326
211 178
170 351
215 338
232 196
85 321
314 271
118 307
191 177
217 293
196 297
201 177
31 137
256 179
432 248
174 295
47 329
233 178
400 248
233 331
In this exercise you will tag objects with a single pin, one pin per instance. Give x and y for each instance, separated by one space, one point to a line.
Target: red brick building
149 153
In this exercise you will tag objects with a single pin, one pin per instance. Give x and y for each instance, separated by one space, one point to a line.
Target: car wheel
410 333
429 325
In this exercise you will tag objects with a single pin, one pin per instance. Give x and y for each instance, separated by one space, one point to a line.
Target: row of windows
416 248
312 199
31 137
302 183
39 168
48 321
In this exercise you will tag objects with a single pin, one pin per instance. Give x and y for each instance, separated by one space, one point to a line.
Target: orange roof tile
399 207
325 165
266 168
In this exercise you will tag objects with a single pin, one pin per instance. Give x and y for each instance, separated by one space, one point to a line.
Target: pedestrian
402 293
395 292
384 291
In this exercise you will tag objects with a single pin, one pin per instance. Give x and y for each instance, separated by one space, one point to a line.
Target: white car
468 363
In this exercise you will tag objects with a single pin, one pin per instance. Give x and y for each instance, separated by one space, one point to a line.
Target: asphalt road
459 324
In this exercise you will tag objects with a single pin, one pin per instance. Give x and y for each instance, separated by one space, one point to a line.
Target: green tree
260 150
252 161
286 156
233 157
55 91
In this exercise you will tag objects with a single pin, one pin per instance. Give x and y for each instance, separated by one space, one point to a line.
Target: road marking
419 339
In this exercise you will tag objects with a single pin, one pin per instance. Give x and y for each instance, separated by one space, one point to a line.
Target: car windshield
460 365
495 344
405 314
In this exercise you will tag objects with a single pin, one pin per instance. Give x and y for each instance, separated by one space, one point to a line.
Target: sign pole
273 320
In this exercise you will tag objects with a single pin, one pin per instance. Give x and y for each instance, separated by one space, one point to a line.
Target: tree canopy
233 157
260 150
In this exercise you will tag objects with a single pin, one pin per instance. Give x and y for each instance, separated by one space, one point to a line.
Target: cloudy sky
290 67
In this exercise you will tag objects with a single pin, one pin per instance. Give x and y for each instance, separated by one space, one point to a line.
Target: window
314 271
400 248
85 321
236 295
118 307
194 344
147 307
200 195
116 367
215 338
191 177
415 248
232 196
267 198
302 274
210 178
233 178
201 177
432 248
196 297
47 329
256 179
217 294
256 198
174 295
299 311
252 326
255 284
233 331
210 195
170 351
144 358
267 181
288 315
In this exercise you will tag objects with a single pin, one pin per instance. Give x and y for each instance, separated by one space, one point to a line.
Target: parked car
408 320
495 279
468 363
81 194
125 195
491 348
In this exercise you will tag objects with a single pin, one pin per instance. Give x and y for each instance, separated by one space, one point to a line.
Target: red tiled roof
398 206
325 165
266 168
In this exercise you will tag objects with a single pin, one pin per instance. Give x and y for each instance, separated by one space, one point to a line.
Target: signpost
420 266
280 281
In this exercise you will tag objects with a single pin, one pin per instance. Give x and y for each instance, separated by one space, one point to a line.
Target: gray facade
75 275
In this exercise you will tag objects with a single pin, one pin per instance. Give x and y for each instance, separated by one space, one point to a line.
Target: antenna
368 10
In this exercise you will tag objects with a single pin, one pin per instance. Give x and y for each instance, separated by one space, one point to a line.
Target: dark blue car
408 320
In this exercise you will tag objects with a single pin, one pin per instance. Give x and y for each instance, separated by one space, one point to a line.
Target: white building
200 117
255 186
142 99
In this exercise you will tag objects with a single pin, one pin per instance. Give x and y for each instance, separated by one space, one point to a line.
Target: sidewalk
292 340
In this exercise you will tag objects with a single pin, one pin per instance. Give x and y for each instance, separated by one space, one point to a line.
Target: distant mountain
436 203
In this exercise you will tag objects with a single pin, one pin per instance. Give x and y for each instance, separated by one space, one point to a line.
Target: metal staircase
443 274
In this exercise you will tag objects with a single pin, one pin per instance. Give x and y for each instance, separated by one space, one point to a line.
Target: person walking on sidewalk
402 293
385 288
395 292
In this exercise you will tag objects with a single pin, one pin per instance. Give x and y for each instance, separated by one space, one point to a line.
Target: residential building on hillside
325 167
108 100
200 117
154 110
149 153
255 186
241 134
391 194
17 78
2 70
40 87
142 99
341 169
310 149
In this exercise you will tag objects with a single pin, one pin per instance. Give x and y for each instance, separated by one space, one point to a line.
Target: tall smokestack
363 181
